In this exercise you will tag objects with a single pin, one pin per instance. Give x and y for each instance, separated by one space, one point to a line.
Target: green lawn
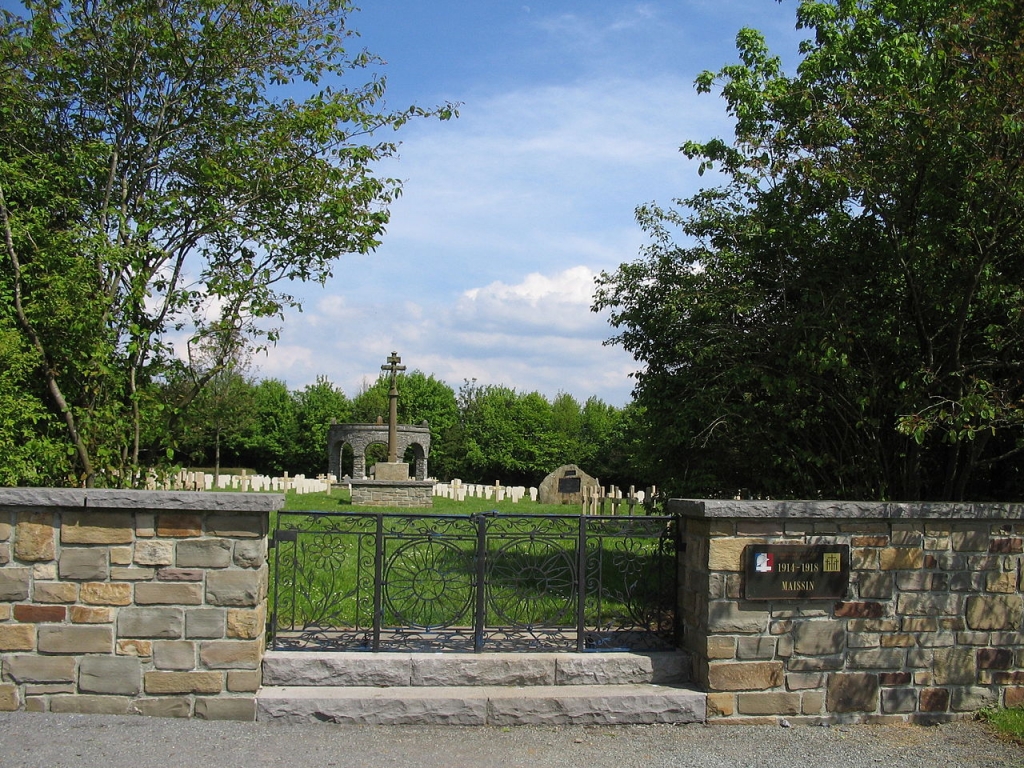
1008 721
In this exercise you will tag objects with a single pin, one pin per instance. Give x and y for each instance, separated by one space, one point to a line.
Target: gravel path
97 741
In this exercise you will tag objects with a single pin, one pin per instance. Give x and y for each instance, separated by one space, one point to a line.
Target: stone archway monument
390 484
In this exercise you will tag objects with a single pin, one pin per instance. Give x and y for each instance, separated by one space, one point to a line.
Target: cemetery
215 597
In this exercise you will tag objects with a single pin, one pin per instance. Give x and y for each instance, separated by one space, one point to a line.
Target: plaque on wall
570 484
788 572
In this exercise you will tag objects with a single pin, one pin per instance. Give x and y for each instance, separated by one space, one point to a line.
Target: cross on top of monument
393 366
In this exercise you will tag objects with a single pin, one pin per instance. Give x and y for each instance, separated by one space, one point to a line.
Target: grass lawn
1008 721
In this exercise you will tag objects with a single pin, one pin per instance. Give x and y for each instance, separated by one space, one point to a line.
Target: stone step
482 705
311 668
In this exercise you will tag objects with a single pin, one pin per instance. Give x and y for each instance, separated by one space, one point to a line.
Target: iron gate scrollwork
489 581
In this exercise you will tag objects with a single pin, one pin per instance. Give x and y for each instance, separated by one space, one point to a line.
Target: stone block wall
119 602
930 629
387 493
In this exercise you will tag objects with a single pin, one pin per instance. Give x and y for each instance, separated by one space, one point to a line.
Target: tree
316 406
270 443
505 435
158 174
844 317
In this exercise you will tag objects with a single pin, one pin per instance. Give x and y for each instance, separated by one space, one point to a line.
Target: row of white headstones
300 484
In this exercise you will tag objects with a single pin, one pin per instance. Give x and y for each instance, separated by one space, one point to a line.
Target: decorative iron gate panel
489 581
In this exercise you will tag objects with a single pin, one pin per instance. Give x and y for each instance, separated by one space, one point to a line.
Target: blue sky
572 115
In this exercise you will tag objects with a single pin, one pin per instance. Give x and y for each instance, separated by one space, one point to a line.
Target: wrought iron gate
489 581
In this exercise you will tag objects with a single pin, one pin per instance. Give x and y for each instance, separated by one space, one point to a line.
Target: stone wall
389 493
930 629
145 602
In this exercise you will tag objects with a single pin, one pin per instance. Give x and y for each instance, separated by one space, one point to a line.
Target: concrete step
302 668
483 705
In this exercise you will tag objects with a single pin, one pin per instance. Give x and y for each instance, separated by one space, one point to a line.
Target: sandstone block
87 614
157 682
741 618
179 526
972 698
156 623
896 700
5 553
818 638
812 702
165 706
54 592
203 553
154 552
234 588
121 555
954 666
744 676
727 554
994 658
246 623
852 692
236 526
244 680
1001 582
174 654
250 554
721 705
231 654
900 559
39 614
721 647
9 700
35 537
180 574
120 573
801 681
90 704
976 540
929 604
995 612
84 564
143 648
876 658
759 647
40 669
5 531
773 703
172 593
859 610
17 637
14 583
105 593
205 623
119 675
76 639
97 528
44 571
1013 697
227 708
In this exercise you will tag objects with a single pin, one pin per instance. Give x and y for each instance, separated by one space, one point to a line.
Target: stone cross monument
392 470
394 367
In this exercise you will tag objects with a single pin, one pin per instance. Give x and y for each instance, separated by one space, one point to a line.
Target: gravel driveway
98 741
